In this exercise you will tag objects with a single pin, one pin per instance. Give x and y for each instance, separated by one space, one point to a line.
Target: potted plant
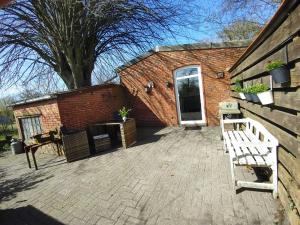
238 83
240 91
264 94
253 90
279 71
247 94
124 113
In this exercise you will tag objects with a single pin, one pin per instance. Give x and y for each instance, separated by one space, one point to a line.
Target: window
30 126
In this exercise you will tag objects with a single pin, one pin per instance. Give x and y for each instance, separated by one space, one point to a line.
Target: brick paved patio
174 176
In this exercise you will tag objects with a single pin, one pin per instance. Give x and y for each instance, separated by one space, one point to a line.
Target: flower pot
242 96
266 97
248 97
281 75
124 118
239 84
254 98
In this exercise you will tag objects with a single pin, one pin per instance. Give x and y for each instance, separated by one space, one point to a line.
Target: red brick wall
159 107
78 110
47 110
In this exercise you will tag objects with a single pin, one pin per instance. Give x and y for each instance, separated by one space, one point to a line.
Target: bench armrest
229 121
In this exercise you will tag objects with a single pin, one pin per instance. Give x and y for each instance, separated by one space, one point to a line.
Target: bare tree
71 37
239 30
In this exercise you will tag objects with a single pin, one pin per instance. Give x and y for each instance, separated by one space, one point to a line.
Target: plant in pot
238 83
247 94
253 90
264 94
279 71
124 113
240 91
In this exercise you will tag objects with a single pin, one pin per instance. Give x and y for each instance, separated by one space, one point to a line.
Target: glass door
189 96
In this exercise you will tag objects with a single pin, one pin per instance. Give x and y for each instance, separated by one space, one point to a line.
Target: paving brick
180 178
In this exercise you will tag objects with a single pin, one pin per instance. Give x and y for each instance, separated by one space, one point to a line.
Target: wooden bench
251 146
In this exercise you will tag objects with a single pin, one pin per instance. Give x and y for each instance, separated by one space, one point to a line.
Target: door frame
201 91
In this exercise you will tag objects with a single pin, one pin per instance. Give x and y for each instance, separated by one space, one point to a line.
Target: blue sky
196 31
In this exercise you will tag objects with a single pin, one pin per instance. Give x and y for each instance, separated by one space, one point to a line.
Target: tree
240 30
72 36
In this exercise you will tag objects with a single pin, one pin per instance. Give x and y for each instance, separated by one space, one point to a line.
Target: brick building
180 84
74 109
167 86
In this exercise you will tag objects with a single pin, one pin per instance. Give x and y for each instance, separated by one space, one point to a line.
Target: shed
180 85
74 109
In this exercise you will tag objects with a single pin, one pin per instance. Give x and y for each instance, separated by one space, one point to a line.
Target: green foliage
256 88
274 65
237 89
124 112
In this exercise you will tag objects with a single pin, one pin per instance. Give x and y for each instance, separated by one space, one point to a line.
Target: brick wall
95 104
159 107
47 110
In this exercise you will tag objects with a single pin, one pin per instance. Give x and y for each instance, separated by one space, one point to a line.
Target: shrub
237 89
274 64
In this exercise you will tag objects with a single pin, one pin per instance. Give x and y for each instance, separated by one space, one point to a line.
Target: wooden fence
279 40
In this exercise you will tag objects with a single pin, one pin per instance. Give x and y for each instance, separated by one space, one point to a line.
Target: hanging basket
254 98
248 97
281 74
266 97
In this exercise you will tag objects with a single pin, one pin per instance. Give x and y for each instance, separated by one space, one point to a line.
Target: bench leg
232 166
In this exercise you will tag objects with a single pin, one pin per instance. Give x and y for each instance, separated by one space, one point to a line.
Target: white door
189 95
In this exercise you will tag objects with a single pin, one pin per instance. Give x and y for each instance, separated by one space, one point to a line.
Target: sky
198 30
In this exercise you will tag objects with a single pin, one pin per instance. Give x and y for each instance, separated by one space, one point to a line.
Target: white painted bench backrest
259 131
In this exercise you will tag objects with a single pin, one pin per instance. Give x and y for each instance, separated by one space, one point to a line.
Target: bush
237 89
274 65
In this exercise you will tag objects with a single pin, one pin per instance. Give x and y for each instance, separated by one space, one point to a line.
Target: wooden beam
287 120
290 162
290 184
284 138
286 202
287 29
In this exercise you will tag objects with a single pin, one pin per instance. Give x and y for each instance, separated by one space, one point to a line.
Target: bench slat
243 155
253 150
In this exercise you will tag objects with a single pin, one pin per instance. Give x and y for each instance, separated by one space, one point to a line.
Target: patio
172 176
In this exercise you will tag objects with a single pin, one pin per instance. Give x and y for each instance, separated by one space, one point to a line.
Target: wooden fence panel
282 118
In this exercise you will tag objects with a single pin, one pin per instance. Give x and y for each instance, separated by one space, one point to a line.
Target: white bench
251 146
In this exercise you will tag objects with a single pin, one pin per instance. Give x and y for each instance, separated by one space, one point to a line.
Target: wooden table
127 130
33 149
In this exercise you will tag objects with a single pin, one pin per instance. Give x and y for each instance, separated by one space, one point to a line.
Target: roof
186 47
63 93
281 14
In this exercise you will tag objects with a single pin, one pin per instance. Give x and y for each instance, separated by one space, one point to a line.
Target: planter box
281 75
266 97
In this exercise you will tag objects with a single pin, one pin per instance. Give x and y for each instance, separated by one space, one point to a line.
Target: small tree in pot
124 113
279 71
